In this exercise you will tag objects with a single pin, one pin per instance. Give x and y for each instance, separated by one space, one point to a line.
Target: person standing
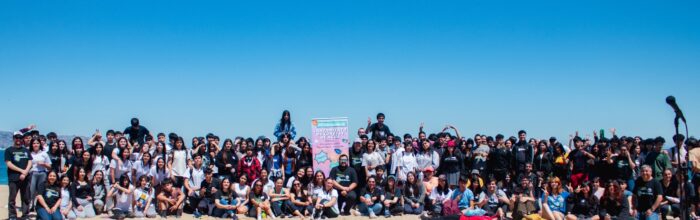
17 159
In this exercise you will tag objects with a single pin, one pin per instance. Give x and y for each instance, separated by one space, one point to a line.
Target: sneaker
355 212
372 215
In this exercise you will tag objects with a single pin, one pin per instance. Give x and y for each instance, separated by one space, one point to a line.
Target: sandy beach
4 194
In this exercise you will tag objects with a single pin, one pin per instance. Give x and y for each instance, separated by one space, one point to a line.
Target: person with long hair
66 199
81 194
226 201
301 172
242 189
178 164
159 172
285 126
560 166
308 177
250 165
438 195
371 159
142 167
259 202
406 162
451 164
554 200
99 189
305 156
41 164
316 184
671 204
100 162
143 199
583 204
117 170
48 198
371 199
614 205
413 194
122 192
299 202
226 161
326 201
56 157
289 156
275 161
543 161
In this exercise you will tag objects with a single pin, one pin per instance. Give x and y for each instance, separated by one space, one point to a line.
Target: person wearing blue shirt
285 126
554 200
463 195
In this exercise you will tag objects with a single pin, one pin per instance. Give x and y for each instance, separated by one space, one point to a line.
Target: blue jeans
375 209
630 184
643 216
43 214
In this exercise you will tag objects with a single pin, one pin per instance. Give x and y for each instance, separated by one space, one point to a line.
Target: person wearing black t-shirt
48 199
371 198
522 153
17 159
226 201
578 163
379 130
136 132
647 195
345 180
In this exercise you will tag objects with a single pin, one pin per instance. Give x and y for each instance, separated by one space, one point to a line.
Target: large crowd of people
136 173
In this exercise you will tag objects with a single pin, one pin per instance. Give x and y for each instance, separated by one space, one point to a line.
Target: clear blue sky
550 67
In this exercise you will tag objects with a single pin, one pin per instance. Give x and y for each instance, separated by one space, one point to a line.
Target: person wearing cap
355 157
392 197
18 163
429 179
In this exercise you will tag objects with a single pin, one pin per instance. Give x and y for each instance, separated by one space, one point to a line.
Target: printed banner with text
329 139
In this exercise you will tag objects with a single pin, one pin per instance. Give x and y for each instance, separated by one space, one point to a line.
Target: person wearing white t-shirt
159 172
122 191
142 167
193 183
118 169
326 201
143 199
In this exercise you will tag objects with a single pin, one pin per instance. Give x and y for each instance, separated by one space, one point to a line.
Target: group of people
137 174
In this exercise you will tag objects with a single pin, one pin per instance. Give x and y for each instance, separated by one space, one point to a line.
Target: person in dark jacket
227 161
498 163
543 160
522 153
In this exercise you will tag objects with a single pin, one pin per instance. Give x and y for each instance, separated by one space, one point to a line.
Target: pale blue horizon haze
232 67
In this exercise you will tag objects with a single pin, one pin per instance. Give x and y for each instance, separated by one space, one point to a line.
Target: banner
329 139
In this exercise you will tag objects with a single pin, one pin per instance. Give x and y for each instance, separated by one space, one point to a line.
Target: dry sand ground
4 195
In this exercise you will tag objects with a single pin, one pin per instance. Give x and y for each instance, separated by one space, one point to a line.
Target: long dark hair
161 170
415 185
102 182
285 123
225 152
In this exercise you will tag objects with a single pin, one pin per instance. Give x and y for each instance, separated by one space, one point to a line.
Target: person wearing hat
429 179
355 157
18 163
392 197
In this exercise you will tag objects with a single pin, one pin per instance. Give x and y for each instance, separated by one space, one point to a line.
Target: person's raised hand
369 120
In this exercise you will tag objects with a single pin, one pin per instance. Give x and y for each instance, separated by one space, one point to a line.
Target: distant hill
6 139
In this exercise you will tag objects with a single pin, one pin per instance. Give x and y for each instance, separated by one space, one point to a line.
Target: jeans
376 208
21 186
408 209
37 178
43 214
643 216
